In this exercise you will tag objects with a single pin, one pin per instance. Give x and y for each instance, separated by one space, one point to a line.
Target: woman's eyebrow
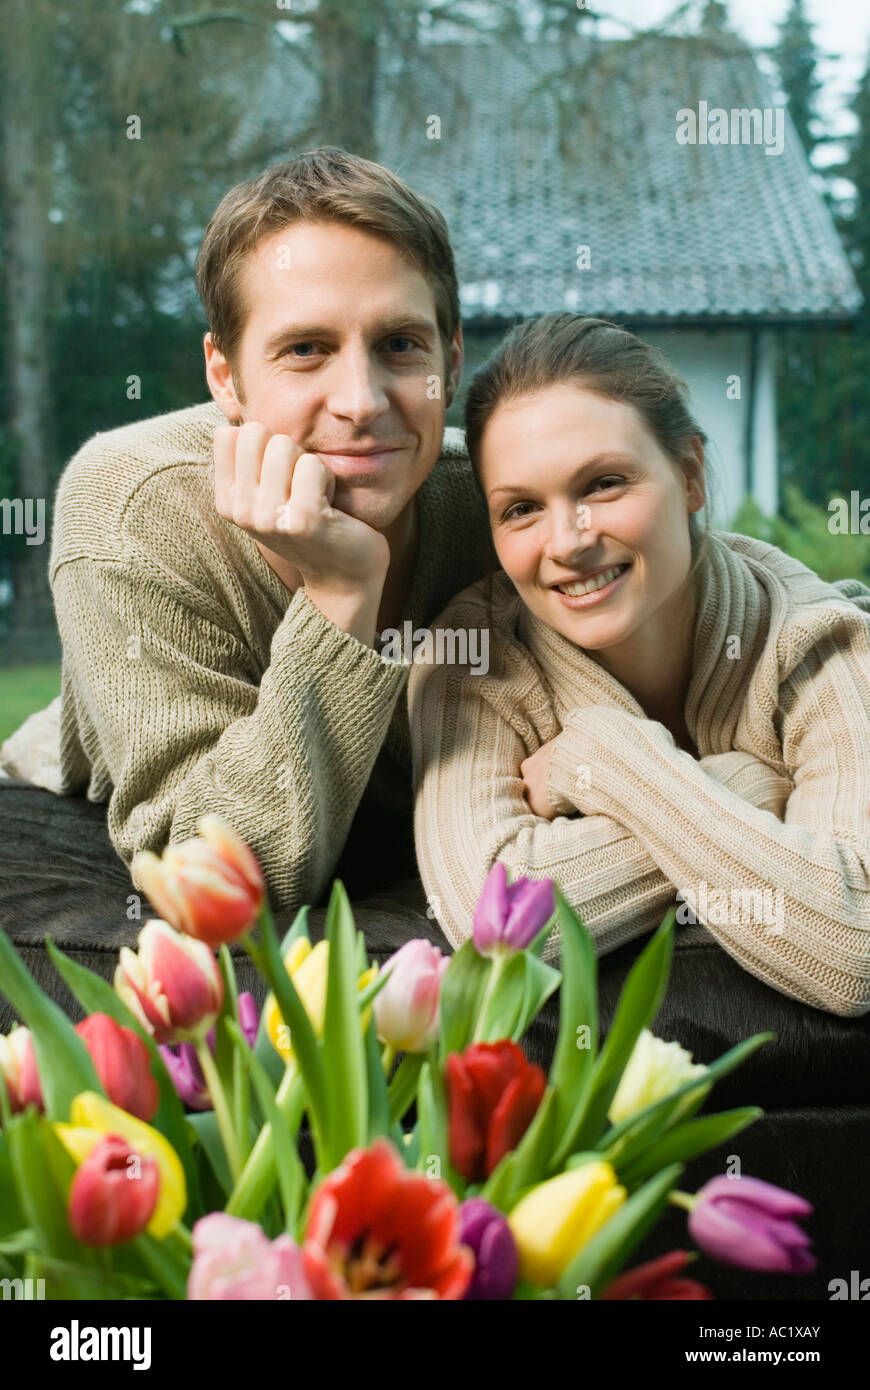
515 489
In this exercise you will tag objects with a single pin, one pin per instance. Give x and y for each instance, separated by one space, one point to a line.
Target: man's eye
299 349
401 344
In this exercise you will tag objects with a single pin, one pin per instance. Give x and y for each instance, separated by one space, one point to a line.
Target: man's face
341 351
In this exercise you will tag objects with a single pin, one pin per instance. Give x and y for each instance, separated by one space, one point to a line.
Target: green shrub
802 530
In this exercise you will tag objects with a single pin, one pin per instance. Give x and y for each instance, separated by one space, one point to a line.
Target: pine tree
796 58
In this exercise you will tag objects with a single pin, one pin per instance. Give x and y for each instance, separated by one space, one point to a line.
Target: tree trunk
27 90
347 35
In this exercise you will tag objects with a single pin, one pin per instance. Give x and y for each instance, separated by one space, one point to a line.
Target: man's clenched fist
283 498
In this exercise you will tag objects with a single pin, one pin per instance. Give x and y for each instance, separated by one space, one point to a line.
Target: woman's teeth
597 581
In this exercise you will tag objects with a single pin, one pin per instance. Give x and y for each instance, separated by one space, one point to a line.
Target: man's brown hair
326 184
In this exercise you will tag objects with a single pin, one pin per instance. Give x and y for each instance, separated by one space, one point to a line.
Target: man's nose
572 531
356 388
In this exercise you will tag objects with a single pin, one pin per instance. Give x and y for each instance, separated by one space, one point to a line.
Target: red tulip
122 1064
210 887
655 1282
111 1199
492 1095
378 1230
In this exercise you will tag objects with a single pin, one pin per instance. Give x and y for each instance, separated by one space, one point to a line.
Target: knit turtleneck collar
736 596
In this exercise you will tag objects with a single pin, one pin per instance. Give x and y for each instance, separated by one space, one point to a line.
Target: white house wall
716 366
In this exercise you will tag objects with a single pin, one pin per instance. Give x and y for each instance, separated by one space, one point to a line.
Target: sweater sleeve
168 703
789 899
470 811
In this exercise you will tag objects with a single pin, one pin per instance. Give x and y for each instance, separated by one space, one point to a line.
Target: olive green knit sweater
193 681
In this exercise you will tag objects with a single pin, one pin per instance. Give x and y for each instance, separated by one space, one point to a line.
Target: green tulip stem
499 960
683 1199
221 1108
388 1057
260 1164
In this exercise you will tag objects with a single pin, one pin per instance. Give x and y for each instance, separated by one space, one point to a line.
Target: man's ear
454 367
219 376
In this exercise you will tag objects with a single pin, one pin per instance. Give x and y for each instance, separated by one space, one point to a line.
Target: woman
666 709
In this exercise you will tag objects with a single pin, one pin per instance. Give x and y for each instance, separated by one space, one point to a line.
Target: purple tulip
182 1062
489 1237
747 1222
509 916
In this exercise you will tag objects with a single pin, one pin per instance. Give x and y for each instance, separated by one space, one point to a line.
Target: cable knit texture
766 834
194 682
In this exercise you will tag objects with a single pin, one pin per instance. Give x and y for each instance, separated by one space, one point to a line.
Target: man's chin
375 506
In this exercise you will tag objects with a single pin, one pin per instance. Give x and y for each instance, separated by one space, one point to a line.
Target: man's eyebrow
519 490
301 333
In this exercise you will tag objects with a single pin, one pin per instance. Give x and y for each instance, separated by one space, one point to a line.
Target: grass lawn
23 690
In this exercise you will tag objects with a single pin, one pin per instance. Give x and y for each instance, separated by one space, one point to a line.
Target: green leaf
305 1046
65 1068
432 1129
164 1263
602 1258
638 1005
205 1126
527 1164
11 1214
403 1086
462 990
523 987
378 1124
96 995
43 1172
346 1081
263 1049
571 1068
291 1173
65 1280
685 1142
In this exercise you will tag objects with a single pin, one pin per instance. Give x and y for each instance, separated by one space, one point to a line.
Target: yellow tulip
92 1117
308 967
554 1221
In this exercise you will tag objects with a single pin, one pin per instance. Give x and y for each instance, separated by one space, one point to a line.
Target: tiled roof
674 231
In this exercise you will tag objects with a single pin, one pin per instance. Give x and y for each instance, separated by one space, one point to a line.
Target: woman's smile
596 589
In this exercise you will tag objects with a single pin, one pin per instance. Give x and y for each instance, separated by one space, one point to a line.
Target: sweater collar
732 625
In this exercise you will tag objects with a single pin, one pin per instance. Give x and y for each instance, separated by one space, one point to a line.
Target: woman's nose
572 531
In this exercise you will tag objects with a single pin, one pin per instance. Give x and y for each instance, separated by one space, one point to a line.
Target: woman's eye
516 511
611 480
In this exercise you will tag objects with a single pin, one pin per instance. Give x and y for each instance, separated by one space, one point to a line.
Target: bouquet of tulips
374 1133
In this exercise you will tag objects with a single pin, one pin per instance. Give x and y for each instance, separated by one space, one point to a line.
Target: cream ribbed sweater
193 681
778 804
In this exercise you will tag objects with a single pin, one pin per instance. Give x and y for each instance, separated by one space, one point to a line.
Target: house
653 181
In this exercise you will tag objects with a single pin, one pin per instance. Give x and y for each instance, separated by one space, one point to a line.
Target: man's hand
535 770
282 497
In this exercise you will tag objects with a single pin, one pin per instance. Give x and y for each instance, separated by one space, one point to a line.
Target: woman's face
576 487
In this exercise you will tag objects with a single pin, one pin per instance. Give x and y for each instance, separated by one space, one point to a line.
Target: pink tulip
210 887
173 985
509 916
122 1063
235 1260
748 1222
111 1199
18 1066
406 1010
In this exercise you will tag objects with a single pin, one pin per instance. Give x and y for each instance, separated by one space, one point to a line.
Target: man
221 573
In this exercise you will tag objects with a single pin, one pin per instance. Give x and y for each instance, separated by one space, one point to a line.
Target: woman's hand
535 771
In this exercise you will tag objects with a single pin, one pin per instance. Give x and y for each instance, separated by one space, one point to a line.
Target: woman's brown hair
604 358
